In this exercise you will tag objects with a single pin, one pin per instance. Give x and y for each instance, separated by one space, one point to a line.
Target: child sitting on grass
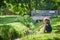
46 26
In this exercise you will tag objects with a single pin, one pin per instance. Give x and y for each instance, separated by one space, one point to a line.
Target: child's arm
44 25
40 27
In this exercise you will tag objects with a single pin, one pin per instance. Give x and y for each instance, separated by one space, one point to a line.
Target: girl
47 26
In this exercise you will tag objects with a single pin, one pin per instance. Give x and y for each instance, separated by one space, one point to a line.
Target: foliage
5 31
12 31
23 7
12 28
26 19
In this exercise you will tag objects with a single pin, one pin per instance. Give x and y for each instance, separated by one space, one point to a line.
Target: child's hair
46 18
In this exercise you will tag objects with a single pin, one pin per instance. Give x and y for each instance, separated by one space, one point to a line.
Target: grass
9 25
55 35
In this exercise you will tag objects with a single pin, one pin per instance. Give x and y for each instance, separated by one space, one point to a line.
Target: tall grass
15 27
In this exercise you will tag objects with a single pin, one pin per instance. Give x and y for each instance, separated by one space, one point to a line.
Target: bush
5 31
25 19
12 31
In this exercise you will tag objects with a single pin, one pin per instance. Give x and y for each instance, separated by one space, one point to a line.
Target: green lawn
9 26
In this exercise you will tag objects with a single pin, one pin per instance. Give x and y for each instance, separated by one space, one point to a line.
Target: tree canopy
22 7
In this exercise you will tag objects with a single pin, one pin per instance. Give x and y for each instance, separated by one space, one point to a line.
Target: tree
22 7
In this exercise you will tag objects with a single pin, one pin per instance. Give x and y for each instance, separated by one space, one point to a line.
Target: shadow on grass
7 20
1 38
56 38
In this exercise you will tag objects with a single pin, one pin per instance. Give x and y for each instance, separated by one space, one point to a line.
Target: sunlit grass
38 35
